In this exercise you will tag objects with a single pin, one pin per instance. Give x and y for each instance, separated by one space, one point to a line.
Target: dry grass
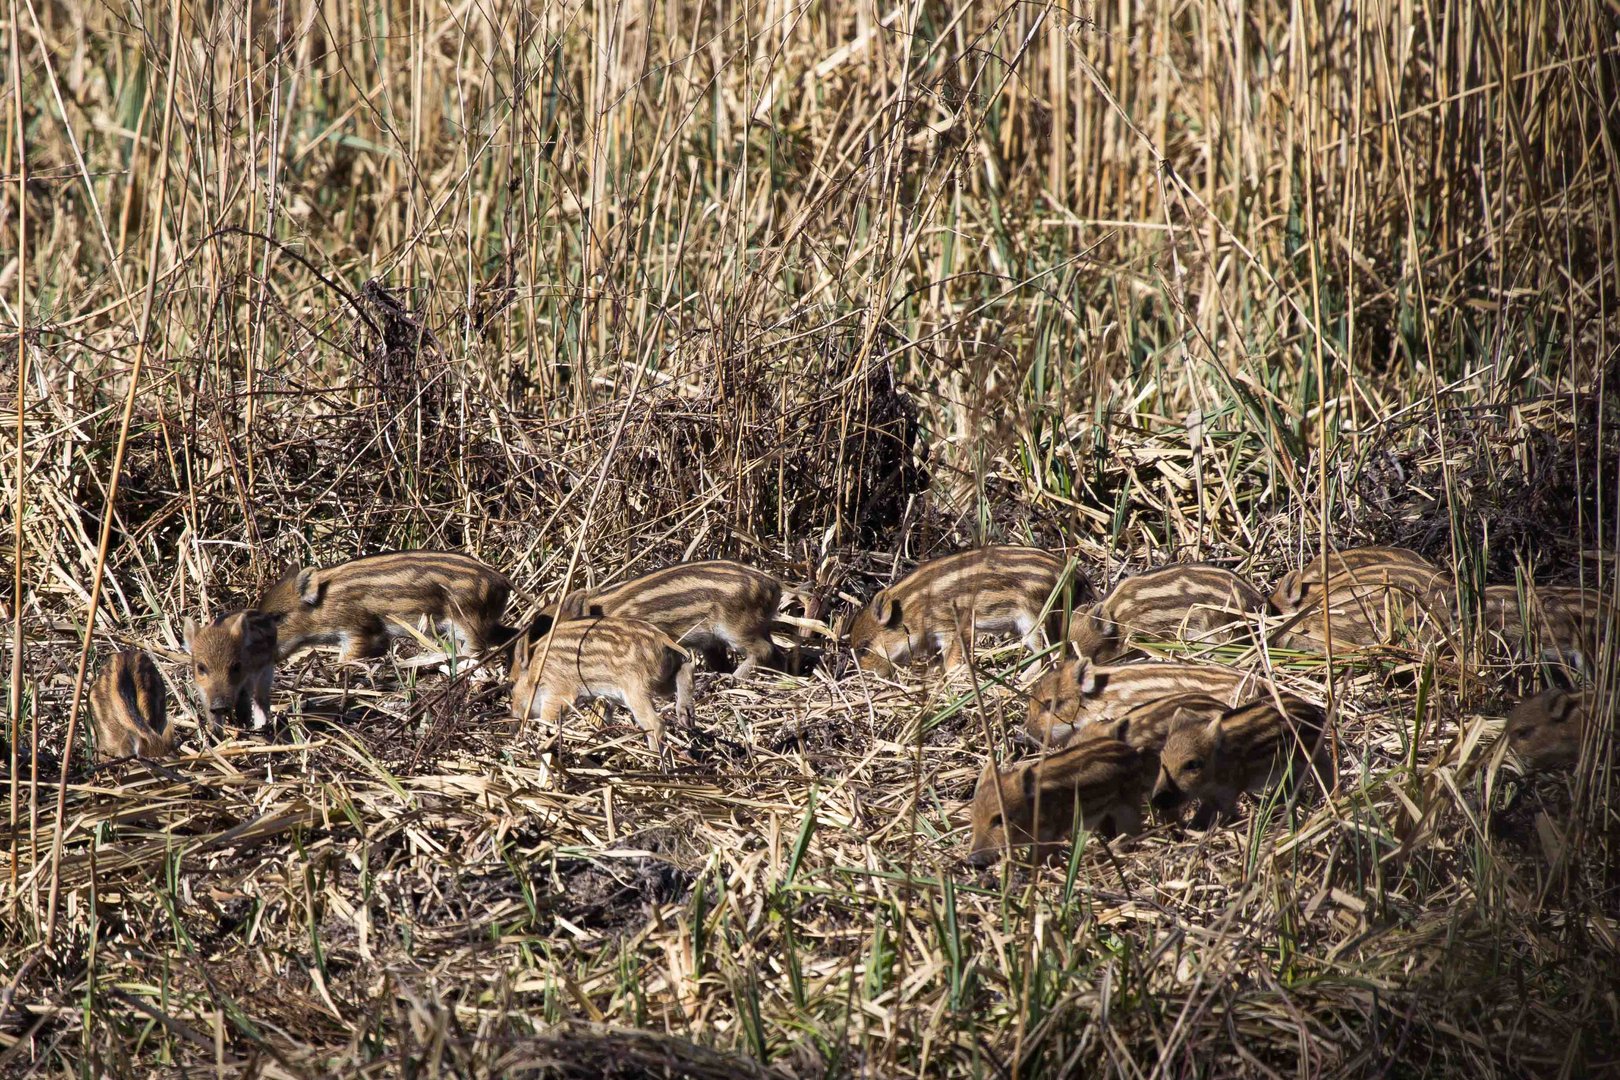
831 288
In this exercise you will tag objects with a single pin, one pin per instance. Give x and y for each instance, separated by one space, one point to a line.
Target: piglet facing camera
1250 748
1546 730
233 663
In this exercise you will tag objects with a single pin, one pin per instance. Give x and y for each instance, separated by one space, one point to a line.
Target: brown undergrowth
584 290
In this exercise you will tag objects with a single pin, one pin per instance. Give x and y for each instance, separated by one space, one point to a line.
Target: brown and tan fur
130 709
1078 693
1381 596
1248 748
1557 622
233 663
363 603
1289 594
1192 602
711 607
1545 731
1146 727
626 661
946 602
1033 803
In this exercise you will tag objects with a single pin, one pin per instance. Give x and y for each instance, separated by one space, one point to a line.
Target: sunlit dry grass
831 288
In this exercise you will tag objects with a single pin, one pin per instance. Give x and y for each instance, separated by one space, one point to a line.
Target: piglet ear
1214 731
1122 729
309 589
190 632
1026 779
258 630
1085 675
886 609
1108 729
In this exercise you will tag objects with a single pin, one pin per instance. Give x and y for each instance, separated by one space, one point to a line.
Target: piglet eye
995 822
202 669
236 667
1194 765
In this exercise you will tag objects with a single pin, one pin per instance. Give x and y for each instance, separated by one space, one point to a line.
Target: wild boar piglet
1189 602
713 607
625 661
1248 748
1146 726
363 603
1078 693
1546 729
939 607
1381 596
1293 587
130 709
1564 624
233 663
1033 803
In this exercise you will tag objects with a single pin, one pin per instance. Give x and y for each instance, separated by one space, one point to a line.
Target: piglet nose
1166 800
982 857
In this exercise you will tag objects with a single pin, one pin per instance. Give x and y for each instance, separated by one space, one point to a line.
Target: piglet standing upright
233 662
364 603
939 607
626 661
713 607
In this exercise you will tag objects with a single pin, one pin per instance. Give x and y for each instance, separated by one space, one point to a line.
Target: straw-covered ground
587 289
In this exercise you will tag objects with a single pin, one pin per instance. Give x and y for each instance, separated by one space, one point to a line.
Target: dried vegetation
583 289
